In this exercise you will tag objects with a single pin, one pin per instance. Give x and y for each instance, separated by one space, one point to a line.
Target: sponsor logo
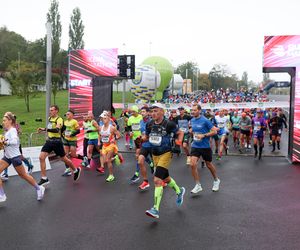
83 82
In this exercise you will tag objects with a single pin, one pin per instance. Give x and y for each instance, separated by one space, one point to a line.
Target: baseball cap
134 108
104 113
180 108
157 105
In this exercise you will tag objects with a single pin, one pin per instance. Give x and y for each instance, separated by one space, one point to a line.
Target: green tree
221 77
187 70
12 47
24 78
53 17
76 31
36 51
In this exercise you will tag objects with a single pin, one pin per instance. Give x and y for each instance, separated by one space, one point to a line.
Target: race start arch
282 54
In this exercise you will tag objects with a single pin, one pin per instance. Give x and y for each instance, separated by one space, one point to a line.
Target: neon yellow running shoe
110 178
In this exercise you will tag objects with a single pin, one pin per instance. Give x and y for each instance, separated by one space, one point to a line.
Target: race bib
221 125
49 126
196 137
184 130
105 139
68 133
136 127
155 140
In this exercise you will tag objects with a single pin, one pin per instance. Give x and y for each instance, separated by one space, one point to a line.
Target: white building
5 88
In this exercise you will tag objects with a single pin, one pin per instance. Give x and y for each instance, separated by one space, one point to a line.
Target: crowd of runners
155 134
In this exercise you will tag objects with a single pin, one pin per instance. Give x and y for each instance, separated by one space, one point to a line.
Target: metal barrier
37 139
24 139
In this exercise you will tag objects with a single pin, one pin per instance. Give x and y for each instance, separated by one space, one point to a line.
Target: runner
108 135
245 126
54 143
159 131
259 126
202 129
235 126
69 138
12 156
182 120
134 127
276 125
145 152
222 121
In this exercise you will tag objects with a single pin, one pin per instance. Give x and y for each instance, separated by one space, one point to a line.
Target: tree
24 78
187 70
244 80
56 80
221 77
36 51
204 82
117 83
53 17
76 31
12 47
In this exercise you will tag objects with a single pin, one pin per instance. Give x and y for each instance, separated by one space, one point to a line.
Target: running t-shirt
52 123
183 123
245 123
258 124
235 121
71 127
92 135
222 124
200 125
160 136
135 123
11 150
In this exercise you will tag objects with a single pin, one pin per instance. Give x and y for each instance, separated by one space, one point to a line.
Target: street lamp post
49 69
155 82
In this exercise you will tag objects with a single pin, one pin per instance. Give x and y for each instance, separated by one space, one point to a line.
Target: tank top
106 135
92 135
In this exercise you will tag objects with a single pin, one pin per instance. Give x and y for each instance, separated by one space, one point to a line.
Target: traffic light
126 66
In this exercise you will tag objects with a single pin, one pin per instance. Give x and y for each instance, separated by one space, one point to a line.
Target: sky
207 32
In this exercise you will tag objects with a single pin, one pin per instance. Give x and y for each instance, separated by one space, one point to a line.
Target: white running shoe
40 193
198 188
216 185
2 198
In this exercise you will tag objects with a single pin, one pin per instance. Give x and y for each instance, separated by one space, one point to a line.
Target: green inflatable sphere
164 67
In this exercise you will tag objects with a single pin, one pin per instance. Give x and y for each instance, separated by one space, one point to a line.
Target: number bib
196 138
184 130
221 125
105 138
68 133
49 126
155 139
136 127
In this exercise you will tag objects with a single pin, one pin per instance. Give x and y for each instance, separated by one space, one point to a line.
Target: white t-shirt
12 150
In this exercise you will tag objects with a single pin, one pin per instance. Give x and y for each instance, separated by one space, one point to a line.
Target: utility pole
48 69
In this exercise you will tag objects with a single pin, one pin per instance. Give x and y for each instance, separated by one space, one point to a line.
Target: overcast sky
207 32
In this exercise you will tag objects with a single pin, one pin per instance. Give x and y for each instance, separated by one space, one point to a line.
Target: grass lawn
38 107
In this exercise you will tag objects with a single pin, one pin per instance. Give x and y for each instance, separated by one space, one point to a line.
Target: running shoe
44 182
145 185
249 146
4 177
153 213
100 170
2 198
179 199
188 160
40 193
198 188
216 185
134 179
117 160
77 174
218 158
110 178
67 172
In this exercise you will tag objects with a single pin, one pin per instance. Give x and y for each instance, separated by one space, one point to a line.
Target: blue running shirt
201 125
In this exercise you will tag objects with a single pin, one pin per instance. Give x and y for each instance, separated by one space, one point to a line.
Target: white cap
157 105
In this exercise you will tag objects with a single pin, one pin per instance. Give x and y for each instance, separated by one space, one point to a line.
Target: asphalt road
257 207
